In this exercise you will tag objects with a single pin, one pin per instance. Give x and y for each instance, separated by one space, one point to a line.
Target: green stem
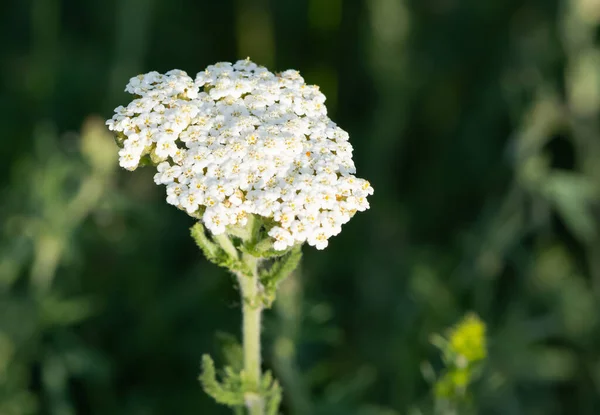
226 244
252 311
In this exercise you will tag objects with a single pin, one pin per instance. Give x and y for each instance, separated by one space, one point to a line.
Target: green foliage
476 122
229 391
234 389
574 197
39 320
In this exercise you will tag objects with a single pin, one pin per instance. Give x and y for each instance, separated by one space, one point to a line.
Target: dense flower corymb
240 140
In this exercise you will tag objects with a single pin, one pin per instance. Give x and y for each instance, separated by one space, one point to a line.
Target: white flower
239 140
318 239
283 238
216 219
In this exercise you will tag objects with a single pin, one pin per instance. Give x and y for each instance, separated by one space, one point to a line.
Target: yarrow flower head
239 140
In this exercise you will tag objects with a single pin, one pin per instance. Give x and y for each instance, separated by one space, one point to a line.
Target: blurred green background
477 122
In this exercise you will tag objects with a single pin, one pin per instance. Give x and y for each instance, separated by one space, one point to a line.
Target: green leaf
280 270
573 196
232 350
226 393
59 311
271 391
212 251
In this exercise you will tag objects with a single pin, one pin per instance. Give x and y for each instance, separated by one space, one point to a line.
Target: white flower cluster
240 140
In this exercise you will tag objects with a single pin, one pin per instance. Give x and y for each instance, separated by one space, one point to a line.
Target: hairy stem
252 310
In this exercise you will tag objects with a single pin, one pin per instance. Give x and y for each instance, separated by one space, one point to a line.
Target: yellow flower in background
464 348
453 383
467 340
